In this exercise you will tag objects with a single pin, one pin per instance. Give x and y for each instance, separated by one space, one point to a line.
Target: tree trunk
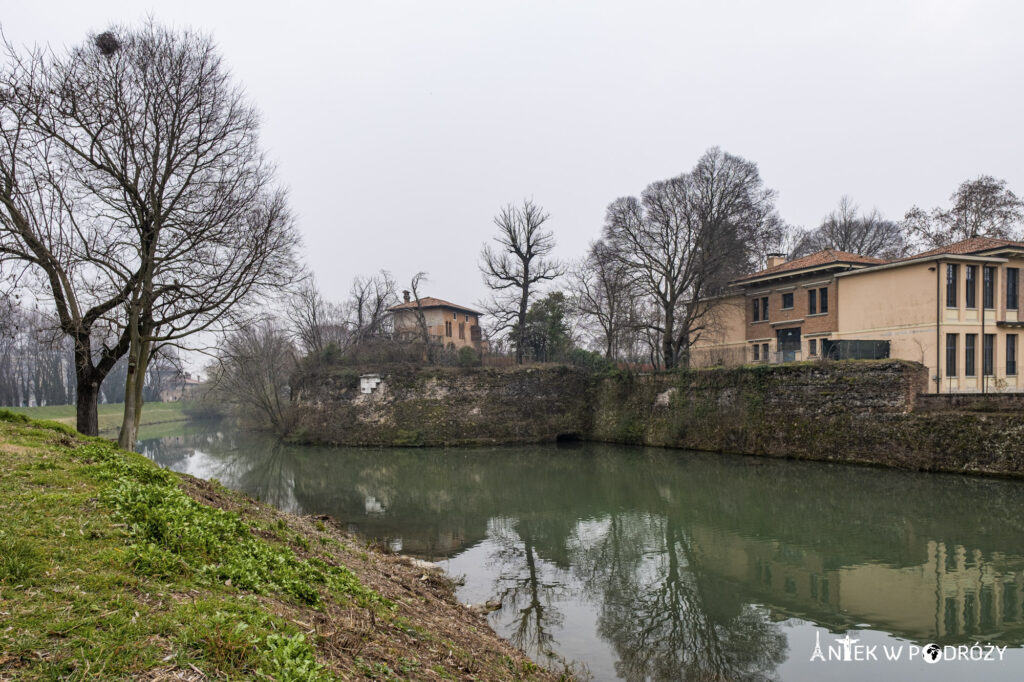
521 341
87 388
138 362
87 403
667 341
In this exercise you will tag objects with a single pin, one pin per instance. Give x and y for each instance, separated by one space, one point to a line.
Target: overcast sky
402 127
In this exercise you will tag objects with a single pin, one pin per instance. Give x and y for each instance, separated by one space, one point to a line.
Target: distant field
109 415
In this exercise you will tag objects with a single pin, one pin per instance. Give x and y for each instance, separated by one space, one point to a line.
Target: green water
667 565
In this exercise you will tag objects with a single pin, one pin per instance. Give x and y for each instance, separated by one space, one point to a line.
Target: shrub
468 357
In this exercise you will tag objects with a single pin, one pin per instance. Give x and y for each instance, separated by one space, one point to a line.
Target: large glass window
971 286
757 310
812 302
951 355
823 298
952 273
988 354
764 307
989 287
970 355
1012 288
1011 355
787 301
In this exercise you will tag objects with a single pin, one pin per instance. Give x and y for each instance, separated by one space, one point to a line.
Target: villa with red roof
955 309
449 324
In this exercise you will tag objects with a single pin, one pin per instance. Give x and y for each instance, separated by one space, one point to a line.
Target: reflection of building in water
432 544
955 593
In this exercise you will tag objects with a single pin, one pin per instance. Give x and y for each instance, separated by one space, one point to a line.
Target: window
823 297
952 273
757 310
971 286
764 307
812 302
970 353
462 330
764 351
447 328
455 316
951 355
757 353
1011 355
1012 288
987 354
787 301
988 287
812 347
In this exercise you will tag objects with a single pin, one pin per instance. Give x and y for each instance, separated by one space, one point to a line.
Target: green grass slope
110 415
111 568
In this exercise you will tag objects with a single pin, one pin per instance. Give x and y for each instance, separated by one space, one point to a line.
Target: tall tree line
645 291
37 364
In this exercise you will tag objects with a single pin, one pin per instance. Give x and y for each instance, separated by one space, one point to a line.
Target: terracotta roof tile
825 257
431 302
967 247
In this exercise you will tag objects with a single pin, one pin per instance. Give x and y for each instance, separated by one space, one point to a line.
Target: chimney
406 295
776 259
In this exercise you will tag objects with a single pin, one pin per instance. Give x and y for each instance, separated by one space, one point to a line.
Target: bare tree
514 269
685 238
421 318
35 358
983 207
55 238
254 373
306 311
164 150
846 229
605 294
367 308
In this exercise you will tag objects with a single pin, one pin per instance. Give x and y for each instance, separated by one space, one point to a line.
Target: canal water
648 564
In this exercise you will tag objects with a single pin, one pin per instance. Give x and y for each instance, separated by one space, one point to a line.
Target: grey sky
401 127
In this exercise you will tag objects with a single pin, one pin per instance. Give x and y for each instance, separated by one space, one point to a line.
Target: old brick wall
858 412
443 406
970 402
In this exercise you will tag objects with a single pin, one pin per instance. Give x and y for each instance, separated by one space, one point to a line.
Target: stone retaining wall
868 412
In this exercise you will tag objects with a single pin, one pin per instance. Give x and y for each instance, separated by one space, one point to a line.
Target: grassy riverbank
110 415
111 568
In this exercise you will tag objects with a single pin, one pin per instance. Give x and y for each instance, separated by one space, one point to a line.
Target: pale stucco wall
405 323
723 340
907 307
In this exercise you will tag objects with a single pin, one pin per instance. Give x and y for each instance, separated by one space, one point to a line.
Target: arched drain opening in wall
565 438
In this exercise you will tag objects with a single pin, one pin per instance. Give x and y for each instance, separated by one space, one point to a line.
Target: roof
969 247
431 302
815 260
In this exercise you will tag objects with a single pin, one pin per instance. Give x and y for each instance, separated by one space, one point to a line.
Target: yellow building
448 324
956 310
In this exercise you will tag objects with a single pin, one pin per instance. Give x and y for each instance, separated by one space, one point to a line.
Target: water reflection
662 565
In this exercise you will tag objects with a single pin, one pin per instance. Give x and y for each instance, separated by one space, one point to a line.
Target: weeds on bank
172 535
109 570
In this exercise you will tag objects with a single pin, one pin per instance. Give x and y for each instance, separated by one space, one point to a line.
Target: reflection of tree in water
259 467
523 589
662 620
672 578
269 477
